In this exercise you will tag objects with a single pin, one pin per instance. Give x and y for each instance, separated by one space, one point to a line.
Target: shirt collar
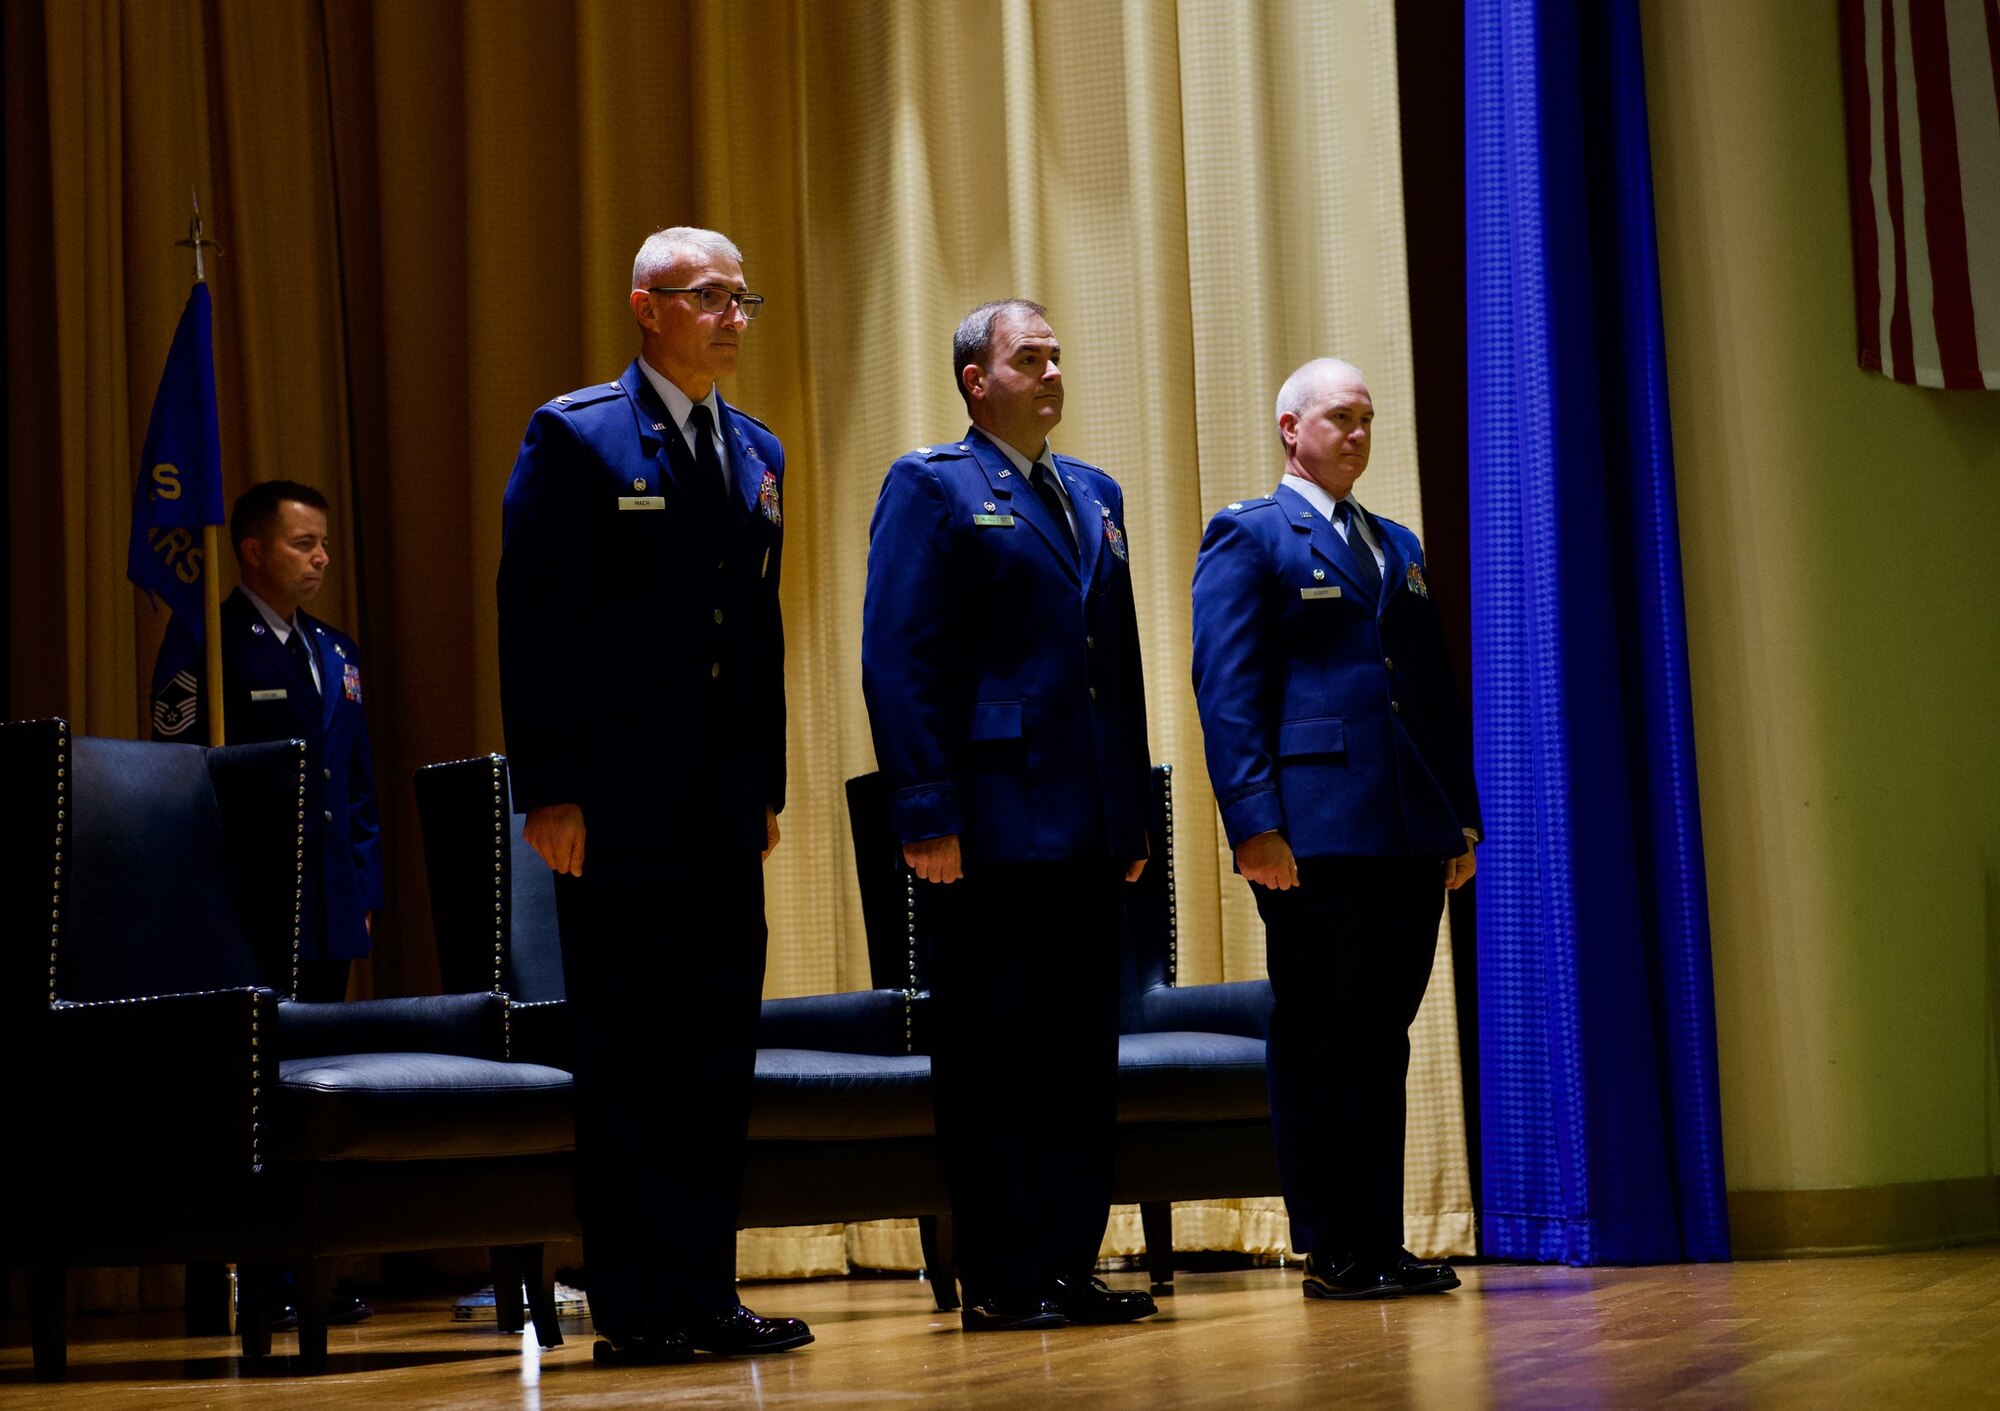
1023 464
1319 499
276 623
679 404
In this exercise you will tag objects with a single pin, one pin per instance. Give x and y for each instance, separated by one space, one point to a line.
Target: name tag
277 695
1314 594
642 502
994 521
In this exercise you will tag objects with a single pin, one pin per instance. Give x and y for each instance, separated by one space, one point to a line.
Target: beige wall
1841 538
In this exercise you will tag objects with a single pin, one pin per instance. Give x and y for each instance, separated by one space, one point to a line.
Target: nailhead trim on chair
500 874
910 959
1173 905
62 811
298 877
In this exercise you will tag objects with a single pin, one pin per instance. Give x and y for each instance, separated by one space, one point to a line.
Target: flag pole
211 598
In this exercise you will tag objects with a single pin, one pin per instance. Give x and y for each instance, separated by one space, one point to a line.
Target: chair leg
312 1287
507 1287
540 1276
205 1299
934 1233
48 1322
1156 1219
254 1295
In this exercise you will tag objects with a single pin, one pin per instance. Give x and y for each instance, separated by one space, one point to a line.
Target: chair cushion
417 1107
810 1094
1179 1076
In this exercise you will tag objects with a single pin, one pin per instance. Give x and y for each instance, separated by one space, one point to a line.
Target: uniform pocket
996 720
1324 735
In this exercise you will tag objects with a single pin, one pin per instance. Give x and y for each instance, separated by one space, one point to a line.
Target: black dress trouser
1024 977
663 963
1349 952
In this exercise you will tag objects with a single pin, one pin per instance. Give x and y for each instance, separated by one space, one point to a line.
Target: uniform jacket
1002 675
1326 719
634 632
267 696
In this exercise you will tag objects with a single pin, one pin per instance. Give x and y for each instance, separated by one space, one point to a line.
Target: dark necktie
709 489
1043 479
302 654
1365 568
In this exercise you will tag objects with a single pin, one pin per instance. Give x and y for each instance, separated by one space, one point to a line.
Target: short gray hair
1307 381
664 249
972 340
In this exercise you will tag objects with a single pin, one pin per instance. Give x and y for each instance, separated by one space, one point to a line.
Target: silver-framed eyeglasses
714 299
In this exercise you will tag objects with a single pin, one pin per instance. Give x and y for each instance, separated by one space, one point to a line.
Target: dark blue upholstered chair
176 1105
840 1121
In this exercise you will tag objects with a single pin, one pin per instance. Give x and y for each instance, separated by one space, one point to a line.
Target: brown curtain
430 210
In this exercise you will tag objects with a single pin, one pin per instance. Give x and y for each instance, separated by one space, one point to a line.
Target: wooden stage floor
1907 1329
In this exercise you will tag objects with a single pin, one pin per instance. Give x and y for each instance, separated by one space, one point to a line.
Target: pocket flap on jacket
1322 736
996 720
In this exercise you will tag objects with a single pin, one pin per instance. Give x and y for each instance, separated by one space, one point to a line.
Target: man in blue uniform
1341 763
642 688
286 675
1000 659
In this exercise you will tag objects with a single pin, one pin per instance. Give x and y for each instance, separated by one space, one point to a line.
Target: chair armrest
179 1085
468 1026
853 1021
538 1032
1241 1007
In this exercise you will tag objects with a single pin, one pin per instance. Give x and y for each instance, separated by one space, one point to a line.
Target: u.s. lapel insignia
1414 581
767 498
256 629
1112 536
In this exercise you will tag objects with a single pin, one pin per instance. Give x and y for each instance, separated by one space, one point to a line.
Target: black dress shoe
999 1314
1389 1276
1091 1300
344 1308
284 1317
1417 1277
740 1331
654 1348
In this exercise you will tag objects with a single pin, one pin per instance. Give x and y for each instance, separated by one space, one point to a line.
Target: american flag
1923 155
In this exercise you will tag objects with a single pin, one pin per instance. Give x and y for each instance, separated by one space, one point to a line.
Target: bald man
1343 768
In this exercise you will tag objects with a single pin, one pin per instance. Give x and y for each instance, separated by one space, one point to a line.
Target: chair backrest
892 902
161 868
493 901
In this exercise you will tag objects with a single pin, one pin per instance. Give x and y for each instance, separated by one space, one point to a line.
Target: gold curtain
430 212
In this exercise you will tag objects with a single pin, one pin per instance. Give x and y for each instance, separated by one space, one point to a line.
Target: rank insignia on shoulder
1414 581
767 498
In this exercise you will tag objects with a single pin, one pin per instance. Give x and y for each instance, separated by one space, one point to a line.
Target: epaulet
585 396
1082 465
755 420
1245 506
950 450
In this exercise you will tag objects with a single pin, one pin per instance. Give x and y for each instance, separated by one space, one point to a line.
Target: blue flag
179 491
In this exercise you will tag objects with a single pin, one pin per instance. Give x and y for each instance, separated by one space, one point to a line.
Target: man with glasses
642 689
1000 659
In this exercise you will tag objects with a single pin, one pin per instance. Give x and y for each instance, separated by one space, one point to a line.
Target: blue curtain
1601 1132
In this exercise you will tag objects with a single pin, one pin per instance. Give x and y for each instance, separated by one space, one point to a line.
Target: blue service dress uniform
642 678
1335 721
1007 704
268 694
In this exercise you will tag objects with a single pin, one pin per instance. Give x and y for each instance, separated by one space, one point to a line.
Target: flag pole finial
195 241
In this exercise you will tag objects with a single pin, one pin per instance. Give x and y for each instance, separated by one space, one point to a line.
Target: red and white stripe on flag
1923 156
